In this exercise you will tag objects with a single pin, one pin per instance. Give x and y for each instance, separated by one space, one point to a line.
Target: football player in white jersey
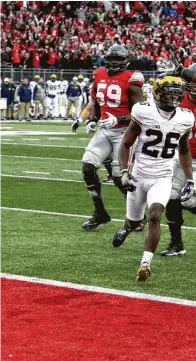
160 127
147 91
52 96
82 84
63 98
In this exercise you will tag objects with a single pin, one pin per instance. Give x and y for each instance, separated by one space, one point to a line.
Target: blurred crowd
76 34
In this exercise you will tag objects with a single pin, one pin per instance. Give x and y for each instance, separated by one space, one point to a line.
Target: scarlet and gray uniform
111 92
179 178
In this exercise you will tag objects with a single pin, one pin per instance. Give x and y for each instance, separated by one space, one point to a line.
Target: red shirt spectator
36 60
15 56
52 58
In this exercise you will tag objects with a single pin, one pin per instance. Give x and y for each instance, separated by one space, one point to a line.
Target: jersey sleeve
189 119
136 114
136 78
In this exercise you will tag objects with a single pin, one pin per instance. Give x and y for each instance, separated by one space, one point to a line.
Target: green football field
44 203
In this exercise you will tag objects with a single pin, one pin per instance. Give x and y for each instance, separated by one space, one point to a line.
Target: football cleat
108 180
96 220
142 224
174 250
143 272
120 236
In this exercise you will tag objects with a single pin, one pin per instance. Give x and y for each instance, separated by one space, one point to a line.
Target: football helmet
116 59
191 88
168 92
164 67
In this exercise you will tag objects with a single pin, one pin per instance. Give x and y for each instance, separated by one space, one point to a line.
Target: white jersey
32 85
158 139
52 87
147 91
82 85
64 86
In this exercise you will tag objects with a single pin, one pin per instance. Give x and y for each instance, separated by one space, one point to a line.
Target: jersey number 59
112 95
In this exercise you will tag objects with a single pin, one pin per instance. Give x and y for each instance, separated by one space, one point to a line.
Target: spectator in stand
7 92
52 59
25 97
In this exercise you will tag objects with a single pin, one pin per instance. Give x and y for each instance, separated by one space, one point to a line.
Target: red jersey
187 103
112 90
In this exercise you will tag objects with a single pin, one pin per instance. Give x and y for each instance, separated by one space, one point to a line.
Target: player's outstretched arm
135 95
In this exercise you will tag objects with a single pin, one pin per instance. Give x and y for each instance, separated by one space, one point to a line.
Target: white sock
147 257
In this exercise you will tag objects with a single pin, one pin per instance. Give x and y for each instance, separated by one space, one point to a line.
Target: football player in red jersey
179 200
116 89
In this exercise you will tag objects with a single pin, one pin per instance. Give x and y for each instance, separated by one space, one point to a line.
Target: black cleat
174 251
142 224
108 180
120 236
96 220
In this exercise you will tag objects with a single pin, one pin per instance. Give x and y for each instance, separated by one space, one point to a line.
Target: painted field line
71 215
30 157
6 128
58 138
17 132
28 171
48 179
110 291
45 145
7 140
29 139
73 171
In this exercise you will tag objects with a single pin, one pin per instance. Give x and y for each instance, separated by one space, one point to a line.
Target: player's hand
187 190
127 181
76 124
109 122
91 126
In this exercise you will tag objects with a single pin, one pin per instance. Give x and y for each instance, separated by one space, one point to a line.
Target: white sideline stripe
8 140
6 127
73 171
70 215
29 139
29 157
58 138
45 145
95 289
34 132
49 179
28 171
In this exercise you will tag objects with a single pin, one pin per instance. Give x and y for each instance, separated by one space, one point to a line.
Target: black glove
76 124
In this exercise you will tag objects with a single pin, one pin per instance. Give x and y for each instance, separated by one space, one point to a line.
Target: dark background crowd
77 34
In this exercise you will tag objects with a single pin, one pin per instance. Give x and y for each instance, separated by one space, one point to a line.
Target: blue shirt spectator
73 90
24 92
7 91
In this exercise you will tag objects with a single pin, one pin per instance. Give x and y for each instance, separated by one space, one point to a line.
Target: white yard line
29 139
71 215
46 145
7 128
29 157
72 171
34 132
7 140
28 171
95 289
50 179
58 138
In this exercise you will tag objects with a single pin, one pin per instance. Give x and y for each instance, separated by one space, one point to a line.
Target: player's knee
154 216
89 173
173 211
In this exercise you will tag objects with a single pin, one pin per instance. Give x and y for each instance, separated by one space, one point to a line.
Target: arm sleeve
187 74
136 114
136 78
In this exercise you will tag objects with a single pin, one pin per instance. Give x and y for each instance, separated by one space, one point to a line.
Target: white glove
109 122
187 190
127 181
91 127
